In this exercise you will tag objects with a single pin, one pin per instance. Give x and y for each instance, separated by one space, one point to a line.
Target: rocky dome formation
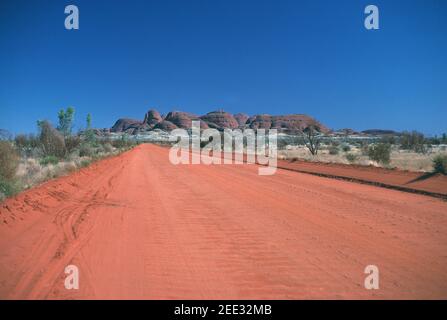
152 117
184 119
294 122
241 118
220 120
124 124
217 120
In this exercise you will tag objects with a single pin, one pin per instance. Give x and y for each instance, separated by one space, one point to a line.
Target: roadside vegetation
440 164
410 151
30 159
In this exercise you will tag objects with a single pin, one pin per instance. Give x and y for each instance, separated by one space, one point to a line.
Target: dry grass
30 172
400 159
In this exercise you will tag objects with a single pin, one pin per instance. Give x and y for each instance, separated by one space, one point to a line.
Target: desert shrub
9 160
390 139
32 172
335 143
52 142
281 144
85 163
123 142
380 152
364 148
27 145
8 187
108 147
118 143
72 143
49 160
333 150
70 167
440 164
346 148
413 141
351 157
86 150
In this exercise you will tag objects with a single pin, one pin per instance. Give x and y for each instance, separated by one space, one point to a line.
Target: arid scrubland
28 160
399 159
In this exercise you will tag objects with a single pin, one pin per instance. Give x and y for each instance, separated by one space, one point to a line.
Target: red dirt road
140 227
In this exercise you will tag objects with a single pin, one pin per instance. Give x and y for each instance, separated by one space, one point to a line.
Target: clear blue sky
251 56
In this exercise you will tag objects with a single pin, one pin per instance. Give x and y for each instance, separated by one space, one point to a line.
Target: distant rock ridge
218 119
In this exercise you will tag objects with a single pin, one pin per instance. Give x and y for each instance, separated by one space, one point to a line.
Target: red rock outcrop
124 124
294 122
241 118
184 119
152 117
220 119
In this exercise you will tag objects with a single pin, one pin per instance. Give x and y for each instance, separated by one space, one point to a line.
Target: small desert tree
380 152
89 134
413 141
311 136
66 121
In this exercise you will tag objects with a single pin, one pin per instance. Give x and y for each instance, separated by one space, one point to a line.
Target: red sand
413 181
140 227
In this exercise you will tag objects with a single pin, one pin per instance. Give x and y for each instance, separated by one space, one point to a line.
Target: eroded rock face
221 119
292 123
152 117
122 125
241 118
184 119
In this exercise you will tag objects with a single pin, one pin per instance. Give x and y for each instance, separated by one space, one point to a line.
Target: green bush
380 152
364 148
123 142
49 160
8 187
440 164
72 143
85 163
108 148
9 160
351 157
86 150
346 148
333 150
